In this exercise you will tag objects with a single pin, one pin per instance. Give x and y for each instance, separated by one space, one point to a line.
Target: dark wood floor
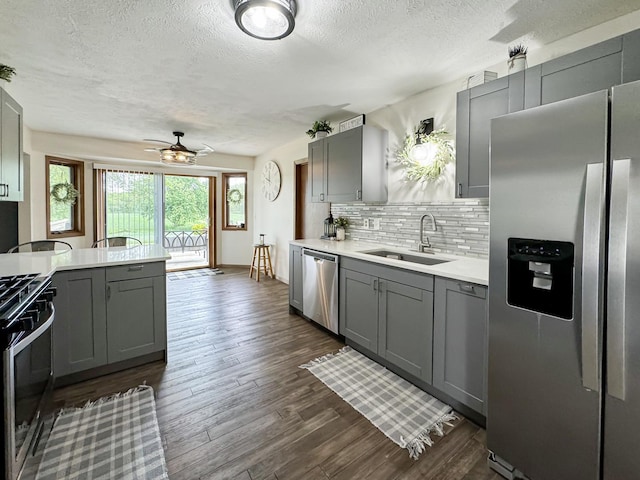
233 404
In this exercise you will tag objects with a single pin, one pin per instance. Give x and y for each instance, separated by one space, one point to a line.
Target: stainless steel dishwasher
320 288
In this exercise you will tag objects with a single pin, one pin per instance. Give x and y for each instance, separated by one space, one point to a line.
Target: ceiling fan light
266 19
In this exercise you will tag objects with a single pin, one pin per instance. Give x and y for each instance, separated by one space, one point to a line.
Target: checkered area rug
115 437
400 410
200 272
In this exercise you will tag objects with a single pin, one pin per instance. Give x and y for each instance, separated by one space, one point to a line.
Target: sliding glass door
156 208
187 213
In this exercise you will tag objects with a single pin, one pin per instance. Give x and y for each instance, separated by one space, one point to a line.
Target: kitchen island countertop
466 269
79 258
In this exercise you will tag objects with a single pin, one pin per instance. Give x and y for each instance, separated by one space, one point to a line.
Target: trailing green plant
341 222
64 192
319 126
517 50
6 72
417 172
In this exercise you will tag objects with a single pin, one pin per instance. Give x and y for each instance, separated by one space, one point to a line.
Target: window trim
78 208
225 185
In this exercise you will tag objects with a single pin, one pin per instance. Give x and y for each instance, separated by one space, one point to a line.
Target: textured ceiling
134 69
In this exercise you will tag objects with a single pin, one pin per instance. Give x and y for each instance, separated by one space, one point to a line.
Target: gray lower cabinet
405 327
105 315
389 312
136 310
359 308
295 276
80 326
460 342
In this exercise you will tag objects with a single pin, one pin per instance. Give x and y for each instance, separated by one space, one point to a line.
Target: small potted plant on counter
517 58
341 224
320 128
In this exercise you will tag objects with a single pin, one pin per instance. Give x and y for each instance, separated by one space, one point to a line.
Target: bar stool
261 256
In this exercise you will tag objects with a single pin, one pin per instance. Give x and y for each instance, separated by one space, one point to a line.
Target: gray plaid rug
199 272
399 409
115 437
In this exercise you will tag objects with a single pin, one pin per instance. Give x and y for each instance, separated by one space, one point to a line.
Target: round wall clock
271 180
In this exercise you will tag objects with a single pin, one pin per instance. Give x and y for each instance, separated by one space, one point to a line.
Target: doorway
176 211
188 214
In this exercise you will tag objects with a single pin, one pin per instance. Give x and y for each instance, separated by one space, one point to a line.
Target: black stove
26 365
22 300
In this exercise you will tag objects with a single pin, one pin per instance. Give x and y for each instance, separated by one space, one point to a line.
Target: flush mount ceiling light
266 19
178 154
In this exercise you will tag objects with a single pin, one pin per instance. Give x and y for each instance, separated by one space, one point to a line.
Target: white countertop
473 270
78 258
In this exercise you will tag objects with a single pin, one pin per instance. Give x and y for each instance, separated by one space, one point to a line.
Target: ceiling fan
177 153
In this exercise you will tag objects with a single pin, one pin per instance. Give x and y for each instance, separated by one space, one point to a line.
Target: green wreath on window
64 192
234 196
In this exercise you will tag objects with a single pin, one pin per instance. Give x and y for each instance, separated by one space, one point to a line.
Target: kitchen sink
406 258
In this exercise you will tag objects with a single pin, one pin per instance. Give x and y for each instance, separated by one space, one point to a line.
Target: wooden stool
262 255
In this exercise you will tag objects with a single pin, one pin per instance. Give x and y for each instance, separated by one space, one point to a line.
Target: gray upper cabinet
594 68
475 109
11 161
389 312
80 327
349 166
460 342
136 310
588 70
317 176
295 276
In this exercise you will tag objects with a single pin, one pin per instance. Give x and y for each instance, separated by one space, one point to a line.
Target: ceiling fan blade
159 141
152 149
204 151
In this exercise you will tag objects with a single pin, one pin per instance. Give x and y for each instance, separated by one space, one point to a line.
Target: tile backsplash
462 225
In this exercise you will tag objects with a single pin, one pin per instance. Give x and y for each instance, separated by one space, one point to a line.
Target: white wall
276 219
32 212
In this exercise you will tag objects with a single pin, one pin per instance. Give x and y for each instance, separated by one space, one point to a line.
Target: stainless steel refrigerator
564 289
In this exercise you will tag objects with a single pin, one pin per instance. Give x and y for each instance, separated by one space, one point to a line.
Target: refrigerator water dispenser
540 276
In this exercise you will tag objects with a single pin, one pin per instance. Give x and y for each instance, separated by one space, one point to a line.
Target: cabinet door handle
459 190
136 268
322 197
108 292
5 190
358 194
467 288
375 284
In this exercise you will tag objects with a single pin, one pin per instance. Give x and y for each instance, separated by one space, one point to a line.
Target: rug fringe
418 444
107 398
324 358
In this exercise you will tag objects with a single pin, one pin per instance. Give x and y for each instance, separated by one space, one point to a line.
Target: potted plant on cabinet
320 128
517 58
6 72
341 224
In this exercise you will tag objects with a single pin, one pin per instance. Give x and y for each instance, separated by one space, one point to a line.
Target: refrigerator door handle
617 280
593 212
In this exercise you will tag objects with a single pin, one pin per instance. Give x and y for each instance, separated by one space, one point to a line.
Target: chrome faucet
427 244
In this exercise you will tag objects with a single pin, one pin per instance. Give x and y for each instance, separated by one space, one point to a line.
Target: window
65 197
234 193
